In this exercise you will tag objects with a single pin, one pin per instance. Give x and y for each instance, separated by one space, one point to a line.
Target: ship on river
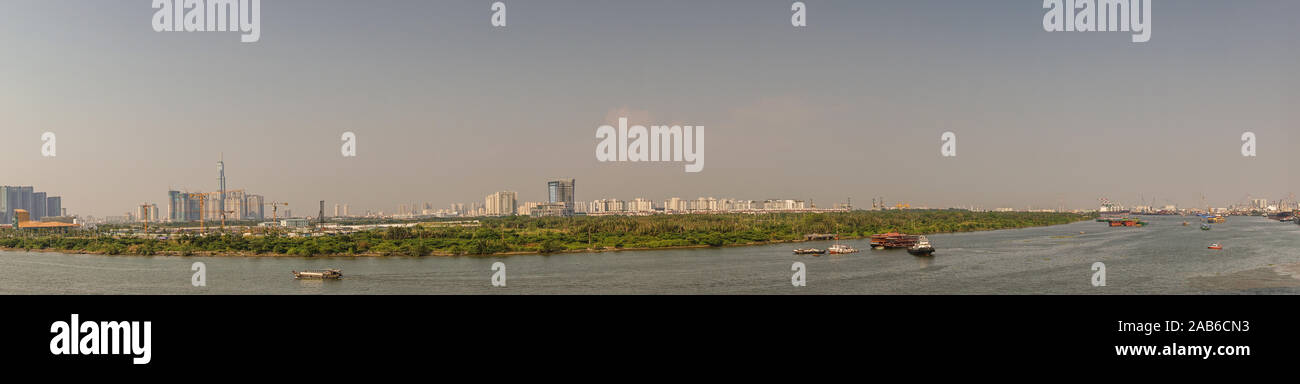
1216 219
1122 222
921 248
809 251
328 274
893 240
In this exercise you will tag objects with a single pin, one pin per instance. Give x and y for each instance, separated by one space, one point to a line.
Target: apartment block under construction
223 204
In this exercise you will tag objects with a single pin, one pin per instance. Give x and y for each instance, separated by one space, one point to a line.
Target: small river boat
330 274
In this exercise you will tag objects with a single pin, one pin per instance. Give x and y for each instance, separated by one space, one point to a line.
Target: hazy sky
448 109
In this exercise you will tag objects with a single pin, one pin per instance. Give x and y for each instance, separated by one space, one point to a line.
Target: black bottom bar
354 334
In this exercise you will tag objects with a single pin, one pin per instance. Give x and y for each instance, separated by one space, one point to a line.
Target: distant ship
1122 222
809 251
1282 216
332 274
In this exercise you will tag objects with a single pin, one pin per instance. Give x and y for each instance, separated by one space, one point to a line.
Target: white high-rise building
504 203
641 205
675 205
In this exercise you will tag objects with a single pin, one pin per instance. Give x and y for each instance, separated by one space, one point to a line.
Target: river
1259 257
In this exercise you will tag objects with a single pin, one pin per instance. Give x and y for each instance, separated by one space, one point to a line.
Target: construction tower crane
203 200
145 206
275 205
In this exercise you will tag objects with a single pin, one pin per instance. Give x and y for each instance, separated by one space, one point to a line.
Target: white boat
838 249
322 275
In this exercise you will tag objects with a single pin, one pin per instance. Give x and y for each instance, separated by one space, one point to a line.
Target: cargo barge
893 240
1122 222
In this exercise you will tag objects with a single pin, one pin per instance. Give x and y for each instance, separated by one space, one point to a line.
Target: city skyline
213 209
854 105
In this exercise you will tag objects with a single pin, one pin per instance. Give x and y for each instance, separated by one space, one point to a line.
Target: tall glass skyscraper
561 192
38 206
8 203
54 206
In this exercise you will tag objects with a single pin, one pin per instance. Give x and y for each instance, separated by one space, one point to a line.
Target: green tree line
546 235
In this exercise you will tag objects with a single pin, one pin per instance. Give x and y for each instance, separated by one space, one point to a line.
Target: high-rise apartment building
254 207
25 199
504 203
561 192
38 206
54 206
8 203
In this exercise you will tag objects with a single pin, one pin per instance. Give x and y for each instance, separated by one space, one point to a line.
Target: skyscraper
256 207
504 203
176 203
8 203
25 199
54 206
236 204
561 192
38 206
221 185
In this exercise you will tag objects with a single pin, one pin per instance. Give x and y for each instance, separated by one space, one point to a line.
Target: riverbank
1163 258
525 236
374 254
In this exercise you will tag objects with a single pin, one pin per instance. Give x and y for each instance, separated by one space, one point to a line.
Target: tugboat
809 251
1216 246
839 249
921 248
328 274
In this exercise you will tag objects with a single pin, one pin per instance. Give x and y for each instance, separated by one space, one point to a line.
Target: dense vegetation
546 235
